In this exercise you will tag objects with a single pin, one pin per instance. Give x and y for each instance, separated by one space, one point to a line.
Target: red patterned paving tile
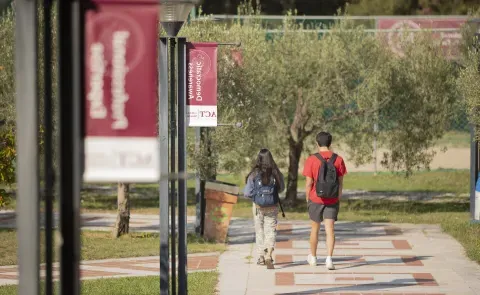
407 260
283 259
354 279
95 273
284 244
425 279
131 266
194 263
10 269
412 261
285 229
284 279
8 277
401 245
206 262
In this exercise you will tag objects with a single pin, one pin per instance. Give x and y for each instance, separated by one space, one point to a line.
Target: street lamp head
173 13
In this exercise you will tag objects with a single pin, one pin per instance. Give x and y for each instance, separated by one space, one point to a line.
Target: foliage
100 245
288 88
7 73
199 283
238 100
3 198
423 99
382 7
341 83
7 88
275 7
468 83
7 156
358 7
407 7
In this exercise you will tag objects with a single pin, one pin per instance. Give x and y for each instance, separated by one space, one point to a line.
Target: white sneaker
329 264
312 260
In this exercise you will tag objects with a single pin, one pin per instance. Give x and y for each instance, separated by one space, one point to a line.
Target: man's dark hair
324 139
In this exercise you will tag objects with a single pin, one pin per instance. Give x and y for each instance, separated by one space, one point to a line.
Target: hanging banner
450 38
121 92
202 84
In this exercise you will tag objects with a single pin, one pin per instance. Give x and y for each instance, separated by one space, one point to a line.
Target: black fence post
173 137
163 186
48 145
70 83
182 164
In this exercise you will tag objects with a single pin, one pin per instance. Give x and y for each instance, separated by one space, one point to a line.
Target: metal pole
163 144
474 159
70 96
48 146
198 205
173 130
28 201
375 156
182 165
474 205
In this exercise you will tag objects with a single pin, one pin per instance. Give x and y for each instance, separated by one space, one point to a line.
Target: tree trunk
295 151
122 224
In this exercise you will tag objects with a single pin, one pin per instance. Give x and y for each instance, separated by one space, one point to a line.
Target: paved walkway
370 259
103 221
118 268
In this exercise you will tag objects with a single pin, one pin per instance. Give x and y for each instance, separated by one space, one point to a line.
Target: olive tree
468 83
295 84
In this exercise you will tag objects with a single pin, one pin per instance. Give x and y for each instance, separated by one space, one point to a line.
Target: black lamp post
172 89
174 13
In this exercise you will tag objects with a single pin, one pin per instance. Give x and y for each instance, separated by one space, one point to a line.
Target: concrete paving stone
119 268
371 258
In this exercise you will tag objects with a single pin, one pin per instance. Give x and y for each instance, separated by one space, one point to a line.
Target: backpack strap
330 161
318 156
333 159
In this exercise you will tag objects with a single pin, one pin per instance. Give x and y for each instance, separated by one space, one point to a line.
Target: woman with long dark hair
263 185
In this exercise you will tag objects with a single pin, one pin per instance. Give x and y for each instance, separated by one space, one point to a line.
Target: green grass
199 283
455 139
466 233
452 212
100 245
436 181
144 197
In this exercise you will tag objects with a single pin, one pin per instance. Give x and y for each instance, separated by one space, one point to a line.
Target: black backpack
327 185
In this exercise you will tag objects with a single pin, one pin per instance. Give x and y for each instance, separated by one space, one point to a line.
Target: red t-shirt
312 165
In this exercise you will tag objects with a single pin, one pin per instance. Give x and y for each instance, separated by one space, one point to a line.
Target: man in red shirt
320 208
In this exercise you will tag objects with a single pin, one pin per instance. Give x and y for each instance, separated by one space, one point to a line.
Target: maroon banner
121 91
202 84
450 37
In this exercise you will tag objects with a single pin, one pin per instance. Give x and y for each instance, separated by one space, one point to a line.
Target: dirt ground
452 158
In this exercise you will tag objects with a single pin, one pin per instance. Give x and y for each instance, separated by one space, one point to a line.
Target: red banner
121 92
450 38
202 84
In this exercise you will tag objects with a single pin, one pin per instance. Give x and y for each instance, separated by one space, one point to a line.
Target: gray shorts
319 212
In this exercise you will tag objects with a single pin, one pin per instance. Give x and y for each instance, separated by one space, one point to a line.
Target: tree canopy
296 84
356 7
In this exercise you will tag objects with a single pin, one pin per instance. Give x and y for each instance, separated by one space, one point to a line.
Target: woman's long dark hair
266 167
